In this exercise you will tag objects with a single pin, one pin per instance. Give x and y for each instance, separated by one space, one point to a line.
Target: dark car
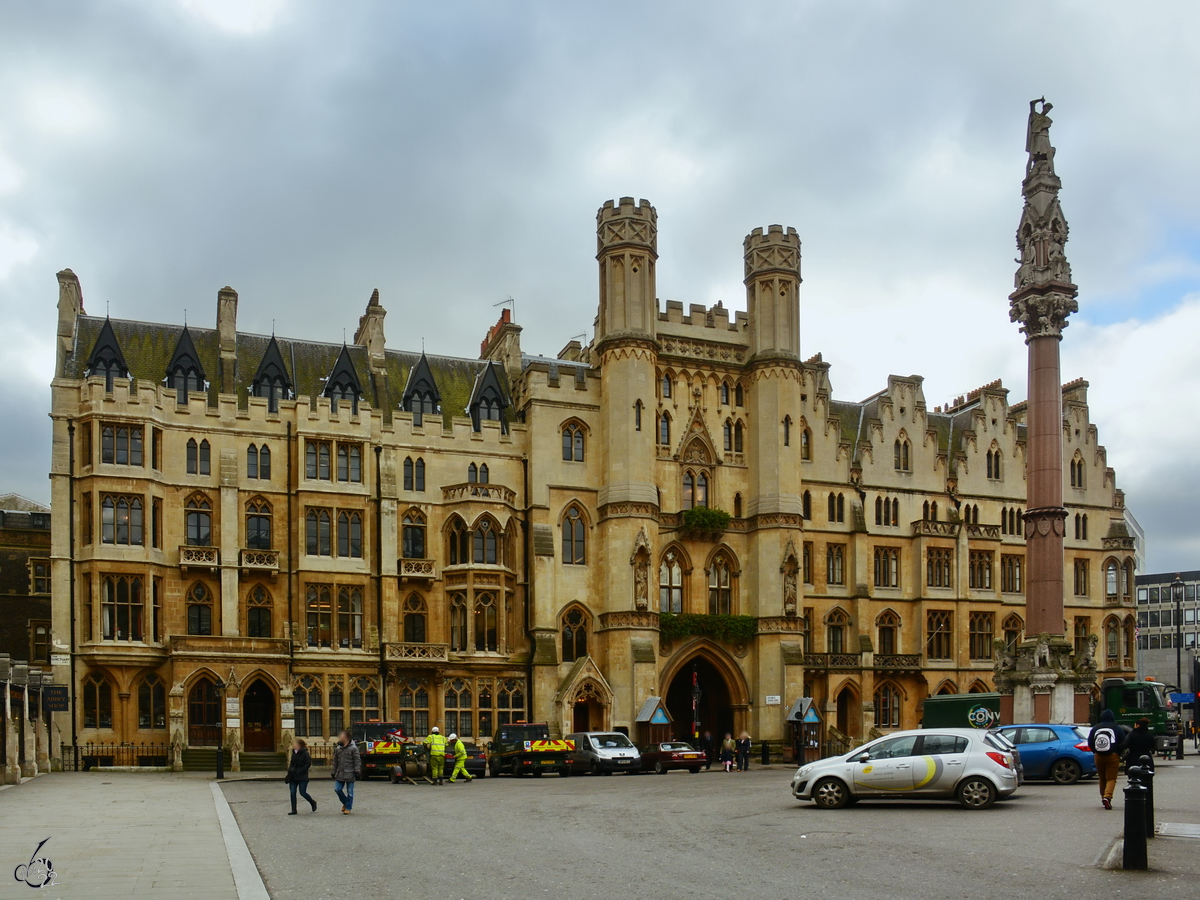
661 758
1059 752
476 761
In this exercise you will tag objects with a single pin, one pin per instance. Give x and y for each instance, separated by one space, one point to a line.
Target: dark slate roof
273 365
148 347
185 356
421 375
343 372
106 348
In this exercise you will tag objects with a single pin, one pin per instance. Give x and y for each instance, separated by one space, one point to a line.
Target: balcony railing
833 660
416 568
418 652
199 557
261 560
898 661
470 490
934 529
984 532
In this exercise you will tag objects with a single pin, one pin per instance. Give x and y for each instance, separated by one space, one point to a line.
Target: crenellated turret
627 250
773 291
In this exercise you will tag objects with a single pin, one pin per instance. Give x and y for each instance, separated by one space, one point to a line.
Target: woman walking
743 752
347 766
297 774
727 748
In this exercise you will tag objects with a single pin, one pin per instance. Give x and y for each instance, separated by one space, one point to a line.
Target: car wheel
594 769
660 769
394 779
830 793
1066 771
694 771
564 772
976 793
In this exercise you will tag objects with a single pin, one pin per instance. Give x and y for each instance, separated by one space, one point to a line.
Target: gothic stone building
344 533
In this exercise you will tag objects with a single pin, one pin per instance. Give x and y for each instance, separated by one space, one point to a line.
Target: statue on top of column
1037 137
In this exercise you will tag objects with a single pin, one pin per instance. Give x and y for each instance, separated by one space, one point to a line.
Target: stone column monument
1039 683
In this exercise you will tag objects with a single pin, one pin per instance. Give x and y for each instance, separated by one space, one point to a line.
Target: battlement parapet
624 223
772 251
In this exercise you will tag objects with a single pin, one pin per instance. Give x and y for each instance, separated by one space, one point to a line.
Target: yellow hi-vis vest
436 744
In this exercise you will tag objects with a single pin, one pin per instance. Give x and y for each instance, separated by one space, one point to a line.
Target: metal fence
83 757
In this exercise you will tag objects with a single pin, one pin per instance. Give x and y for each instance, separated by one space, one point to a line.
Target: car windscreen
676 745
610 741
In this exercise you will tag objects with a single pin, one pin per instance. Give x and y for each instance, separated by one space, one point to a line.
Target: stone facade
523 524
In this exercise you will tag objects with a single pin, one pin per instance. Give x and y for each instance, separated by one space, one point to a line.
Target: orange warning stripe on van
548 746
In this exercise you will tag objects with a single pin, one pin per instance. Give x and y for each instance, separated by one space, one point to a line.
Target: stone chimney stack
227 303
370 334
70 307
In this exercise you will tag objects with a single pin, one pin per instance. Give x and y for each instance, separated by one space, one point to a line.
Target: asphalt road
700 836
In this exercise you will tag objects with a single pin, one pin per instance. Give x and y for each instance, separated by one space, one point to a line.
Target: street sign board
1182 698
774 700
55 698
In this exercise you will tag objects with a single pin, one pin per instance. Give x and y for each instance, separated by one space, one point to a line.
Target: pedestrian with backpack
1104 740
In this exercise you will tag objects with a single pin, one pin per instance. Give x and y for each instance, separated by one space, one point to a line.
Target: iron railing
82 757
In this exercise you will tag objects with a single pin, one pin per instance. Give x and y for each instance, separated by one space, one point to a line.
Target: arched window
574 635
666 386
1111 570
737 506
1128 634
198 519
486 543
832 508
572 443
258 613
689 489
787 431
408 473
483 473
193 456
258 524
993 464
472 473
720 587
727 434
573 545
737 437
900 453
413 541
414 707
1014 629
1004 520
349 463
806 443
701 489
121 520
1128 581
414 619
887 706
837 508
889 625
252 461
199 609
350 617
1112 641
350 535
835 631
121 607
419 475
1083 531
664 430
458 623
670 584
1077 472
637 416
152 703
318 535
205 458
460 542
364 701
306 697
486 634
97 702
459 704
724 393
739 396
933 514
806 505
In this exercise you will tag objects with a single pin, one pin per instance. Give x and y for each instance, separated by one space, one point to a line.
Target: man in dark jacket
709 748
1139 743
297 774
347 767
1104 741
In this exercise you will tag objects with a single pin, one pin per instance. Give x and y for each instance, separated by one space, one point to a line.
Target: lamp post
695 703
1177 596
220 729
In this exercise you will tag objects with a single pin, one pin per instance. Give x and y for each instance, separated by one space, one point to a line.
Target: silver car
974 767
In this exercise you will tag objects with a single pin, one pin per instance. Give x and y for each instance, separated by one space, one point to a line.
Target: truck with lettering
385 750
1133 700
526 748
980 710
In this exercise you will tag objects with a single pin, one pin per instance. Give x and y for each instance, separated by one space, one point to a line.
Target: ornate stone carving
640 560
1042 315
629 619
789 569
616 510
673 346
780 625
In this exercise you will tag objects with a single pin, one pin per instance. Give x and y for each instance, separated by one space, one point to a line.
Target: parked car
973 766
477 760
662 758
604 752
1059 752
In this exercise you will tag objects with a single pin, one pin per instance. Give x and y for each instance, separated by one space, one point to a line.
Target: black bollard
766 753
1134 856
220 763
1146 764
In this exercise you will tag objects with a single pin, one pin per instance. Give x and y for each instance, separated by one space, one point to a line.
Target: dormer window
271 380
342 386
184 372
488 400
107 359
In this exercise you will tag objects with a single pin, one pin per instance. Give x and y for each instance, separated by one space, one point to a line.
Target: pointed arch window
720 587
1111 575
727 435
787 431
1077 472
574 635
737 506
350 535
670 584
258 613
97 702
258 524
472 473
806 443
486 543
459 543
573 538
483 473
152 703
887 706
458 623
664 430
900 454
486 634
806 505
198 521
739 396
637 416
666 386
307 697
572 443
415 616
122 603
835 631
889 626
724 393
350 617
1014 630
318 536
1112 640
993 464
413 535
199 609
737 437
121 519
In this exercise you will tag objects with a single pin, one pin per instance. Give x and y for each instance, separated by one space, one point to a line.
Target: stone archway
258 714
589 711
724 699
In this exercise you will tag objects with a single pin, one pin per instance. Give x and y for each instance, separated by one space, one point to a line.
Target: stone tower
626 350
1041 680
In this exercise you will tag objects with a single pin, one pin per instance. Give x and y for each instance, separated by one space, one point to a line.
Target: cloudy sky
453 154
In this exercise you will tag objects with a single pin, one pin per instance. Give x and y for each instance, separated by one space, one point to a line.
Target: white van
604 752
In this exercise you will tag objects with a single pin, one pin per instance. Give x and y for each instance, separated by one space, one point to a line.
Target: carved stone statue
1006 660
1042 657
1086 662
1037 136
640 560
790 568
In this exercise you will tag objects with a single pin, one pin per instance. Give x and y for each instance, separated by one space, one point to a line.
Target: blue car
1059 752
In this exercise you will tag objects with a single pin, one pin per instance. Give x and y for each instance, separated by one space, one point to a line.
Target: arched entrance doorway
204 722
848 723
258 712
715 707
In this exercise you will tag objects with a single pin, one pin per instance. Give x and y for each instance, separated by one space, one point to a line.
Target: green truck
961 711
1133 700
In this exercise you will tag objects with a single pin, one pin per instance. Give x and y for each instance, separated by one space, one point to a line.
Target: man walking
347 767
709 747
459 750
436 745
1104 741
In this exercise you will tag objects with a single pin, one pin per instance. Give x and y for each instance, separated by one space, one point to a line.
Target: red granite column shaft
1044 515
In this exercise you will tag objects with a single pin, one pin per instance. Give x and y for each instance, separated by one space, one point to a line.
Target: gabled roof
344 374
107 350
420 378
185 358
272 367
488 381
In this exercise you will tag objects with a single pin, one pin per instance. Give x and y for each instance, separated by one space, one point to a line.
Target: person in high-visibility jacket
436 745
460 759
